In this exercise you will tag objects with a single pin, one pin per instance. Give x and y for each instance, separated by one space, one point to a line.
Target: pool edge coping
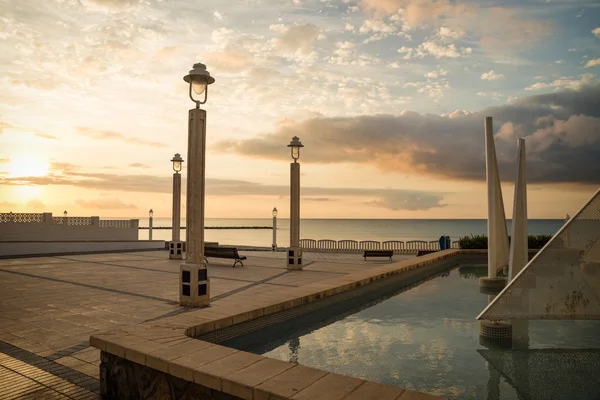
169 345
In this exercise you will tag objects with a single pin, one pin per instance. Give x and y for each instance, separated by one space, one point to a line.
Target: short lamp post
176 247
150 218
274 246
194 287
65 217
294 252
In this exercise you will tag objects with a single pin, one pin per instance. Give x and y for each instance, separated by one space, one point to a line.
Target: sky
388 97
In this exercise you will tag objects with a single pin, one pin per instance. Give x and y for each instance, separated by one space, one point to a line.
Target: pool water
426 338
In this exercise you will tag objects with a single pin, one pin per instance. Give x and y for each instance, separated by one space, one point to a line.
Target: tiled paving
49 307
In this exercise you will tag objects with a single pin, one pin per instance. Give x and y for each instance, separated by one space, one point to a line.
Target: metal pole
274 233
194 290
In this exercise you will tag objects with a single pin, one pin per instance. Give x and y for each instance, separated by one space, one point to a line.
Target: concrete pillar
150 228
518 246
176 247
274 233
496 224
47 219
294 253
194 288
96 221
134 225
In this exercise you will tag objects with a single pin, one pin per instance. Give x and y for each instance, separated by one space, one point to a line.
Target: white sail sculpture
519 252
497 233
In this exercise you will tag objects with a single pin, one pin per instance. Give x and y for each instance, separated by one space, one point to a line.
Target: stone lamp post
150 218
274 247
176 247
294 252
194 287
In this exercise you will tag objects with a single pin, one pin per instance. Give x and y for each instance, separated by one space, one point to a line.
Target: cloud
446 33
409 201
395 199
63 167
596 31
436 73
436 50
111 135
228 61
297 38
139 165
105 203
564 82
4 126
36 204
6 205
112 5
316 199
45 136
491 76
560 127
380 30
4 160
593 63
217 16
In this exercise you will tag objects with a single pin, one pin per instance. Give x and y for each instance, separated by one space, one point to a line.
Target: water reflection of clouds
425 340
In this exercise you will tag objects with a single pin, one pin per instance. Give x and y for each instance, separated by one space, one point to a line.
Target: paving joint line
232 292
88 286
153 270
61 371
68 351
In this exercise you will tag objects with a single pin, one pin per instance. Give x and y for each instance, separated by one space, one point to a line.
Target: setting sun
27 165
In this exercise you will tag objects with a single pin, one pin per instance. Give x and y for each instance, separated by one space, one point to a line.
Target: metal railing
354 246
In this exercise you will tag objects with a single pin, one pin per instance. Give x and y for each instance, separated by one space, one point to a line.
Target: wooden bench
378 253
424 252
224 252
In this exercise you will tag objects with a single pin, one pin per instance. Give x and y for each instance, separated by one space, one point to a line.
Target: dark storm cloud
562 131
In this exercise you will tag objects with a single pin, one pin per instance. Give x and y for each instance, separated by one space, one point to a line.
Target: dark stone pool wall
121 379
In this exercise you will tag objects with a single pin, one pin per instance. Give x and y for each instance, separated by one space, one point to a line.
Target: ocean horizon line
343 219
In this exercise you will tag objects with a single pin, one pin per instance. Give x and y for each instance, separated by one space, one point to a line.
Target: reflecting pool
426 338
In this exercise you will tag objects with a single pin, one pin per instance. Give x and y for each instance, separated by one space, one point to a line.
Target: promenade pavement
49 307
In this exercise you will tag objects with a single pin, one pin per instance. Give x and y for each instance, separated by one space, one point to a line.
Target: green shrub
473 242
538 241
481 241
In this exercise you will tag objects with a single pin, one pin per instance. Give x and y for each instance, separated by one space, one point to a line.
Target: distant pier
213 227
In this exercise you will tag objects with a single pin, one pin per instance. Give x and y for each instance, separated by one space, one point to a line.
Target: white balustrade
353 246
43 226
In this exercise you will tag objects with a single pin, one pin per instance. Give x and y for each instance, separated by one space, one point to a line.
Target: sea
339 229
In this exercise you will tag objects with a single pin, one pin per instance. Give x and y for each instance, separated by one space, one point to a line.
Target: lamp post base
175 250
294 258
194 287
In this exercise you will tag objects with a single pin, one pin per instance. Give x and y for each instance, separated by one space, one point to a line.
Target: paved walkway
49 306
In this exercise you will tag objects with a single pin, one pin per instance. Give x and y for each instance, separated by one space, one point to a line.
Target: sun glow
27 165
